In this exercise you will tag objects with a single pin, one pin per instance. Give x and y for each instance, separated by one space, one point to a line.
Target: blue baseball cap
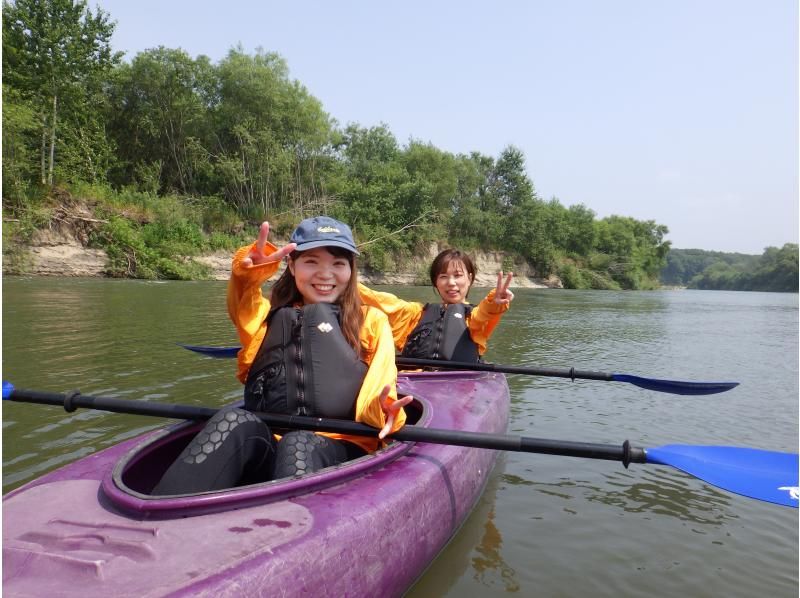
322 231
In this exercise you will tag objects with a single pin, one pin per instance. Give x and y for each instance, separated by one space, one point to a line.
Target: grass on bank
144 235
151 236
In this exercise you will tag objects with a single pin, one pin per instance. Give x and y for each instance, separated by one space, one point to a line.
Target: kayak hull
373 525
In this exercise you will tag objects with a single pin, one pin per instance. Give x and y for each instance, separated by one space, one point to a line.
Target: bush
219 217
220 242
150 251
572 277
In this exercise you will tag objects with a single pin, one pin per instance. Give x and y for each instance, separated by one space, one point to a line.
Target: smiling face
320 276
453 283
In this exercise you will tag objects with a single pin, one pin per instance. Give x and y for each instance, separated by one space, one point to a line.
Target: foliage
183 155
381 189
635 249
159 121
272 135
155 242
57 57
19 128
496 206
684 264
147 251
775 270
575 277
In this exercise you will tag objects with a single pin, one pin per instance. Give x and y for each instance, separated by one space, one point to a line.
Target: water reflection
489 562
685 500
673 498
476 551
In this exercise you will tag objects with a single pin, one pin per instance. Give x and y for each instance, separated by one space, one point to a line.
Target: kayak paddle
677 387
216 352
764 475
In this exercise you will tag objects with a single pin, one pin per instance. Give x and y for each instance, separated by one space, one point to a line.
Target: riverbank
62 251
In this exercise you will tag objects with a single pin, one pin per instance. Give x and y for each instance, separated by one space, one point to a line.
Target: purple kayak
365 528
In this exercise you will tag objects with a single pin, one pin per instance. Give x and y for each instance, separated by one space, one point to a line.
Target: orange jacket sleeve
247 306
403 315
484 318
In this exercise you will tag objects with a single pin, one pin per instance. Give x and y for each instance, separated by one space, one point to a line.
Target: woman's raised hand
391 409
503 295
256 256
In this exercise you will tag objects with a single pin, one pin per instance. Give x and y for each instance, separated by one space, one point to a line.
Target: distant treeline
775 270
180 155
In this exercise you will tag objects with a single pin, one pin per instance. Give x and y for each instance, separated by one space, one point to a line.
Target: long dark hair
442 261
284 292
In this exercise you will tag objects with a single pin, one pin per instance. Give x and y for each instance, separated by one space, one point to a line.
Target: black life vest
442 333
305 366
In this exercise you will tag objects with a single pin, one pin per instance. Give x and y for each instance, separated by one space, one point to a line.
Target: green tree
273 137
161 123
683 265
475 219
580 230
435 169
369 188
57 55
632 251
779 271
19 142
718 276
511 182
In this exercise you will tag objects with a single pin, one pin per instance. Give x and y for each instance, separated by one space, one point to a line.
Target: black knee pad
215 432
298 453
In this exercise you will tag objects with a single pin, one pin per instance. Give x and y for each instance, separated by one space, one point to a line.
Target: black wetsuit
303 367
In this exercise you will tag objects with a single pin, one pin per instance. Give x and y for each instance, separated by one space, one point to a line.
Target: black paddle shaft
671 386
571 373
504 442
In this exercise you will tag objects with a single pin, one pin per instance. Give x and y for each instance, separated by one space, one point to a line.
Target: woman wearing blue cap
311 349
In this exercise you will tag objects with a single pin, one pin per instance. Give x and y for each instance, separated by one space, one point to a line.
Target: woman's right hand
503 294
256 257
390 409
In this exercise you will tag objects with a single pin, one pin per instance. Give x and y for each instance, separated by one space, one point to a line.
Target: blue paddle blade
7 389
765 475
218 352
676 387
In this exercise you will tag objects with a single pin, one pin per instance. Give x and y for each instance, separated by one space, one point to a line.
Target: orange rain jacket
405 315
248 308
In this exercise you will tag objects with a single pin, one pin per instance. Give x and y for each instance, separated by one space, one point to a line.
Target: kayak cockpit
129 484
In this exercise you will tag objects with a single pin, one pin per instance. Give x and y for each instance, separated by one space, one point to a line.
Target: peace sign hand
503 296
256 256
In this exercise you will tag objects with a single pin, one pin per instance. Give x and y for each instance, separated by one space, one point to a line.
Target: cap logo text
327 229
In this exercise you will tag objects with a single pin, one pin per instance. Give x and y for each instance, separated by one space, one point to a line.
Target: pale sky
680 111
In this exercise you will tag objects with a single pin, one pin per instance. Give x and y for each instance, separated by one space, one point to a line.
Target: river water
546 525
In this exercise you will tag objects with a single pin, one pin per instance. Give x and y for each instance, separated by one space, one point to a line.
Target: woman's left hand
502 294
391 409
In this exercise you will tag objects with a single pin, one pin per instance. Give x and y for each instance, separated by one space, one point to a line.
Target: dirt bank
62 250
55 255
487 263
